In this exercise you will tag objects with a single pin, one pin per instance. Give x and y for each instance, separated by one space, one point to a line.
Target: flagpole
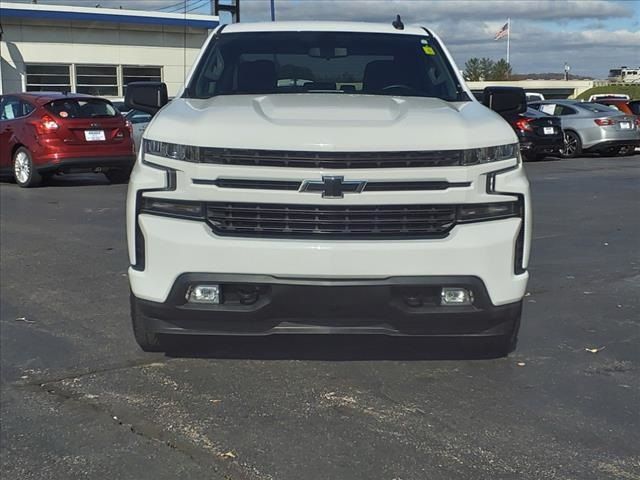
508 37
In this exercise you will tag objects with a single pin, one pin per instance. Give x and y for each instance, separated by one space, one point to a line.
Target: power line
180 6
196 7
169 6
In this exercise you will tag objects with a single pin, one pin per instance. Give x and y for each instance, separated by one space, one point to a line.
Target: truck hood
329 122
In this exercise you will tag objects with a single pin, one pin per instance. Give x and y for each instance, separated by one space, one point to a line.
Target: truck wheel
503 345
148 341
117 176
23 169
572 145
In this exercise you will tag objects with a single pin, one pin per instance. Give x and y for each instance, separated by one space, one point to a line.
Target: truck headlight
174 151
475 156
472 156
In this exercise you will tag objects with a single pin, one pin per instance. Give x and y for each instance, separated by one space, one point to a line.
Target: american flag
502 32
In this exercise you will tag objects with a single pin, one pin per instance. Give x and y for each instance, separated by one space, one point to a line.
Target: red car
44 133
630 107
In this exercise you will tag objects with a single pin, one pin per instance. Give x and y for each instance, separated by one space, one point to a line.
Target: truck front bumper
173 247
264 305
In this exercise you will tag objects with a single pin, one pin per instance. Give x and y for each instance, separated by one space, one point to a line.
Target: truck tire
116 177
531 157
148 341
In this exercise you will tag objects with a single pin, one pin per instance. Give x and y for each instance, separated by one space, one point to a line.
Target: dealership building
96 51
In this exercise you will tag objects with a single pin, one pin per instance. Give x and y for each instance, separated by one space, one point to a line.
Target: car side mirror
505 100
146 96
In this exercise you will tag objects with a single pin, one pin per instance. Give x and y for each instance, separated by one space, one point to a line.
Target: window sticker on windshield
426 48
63 114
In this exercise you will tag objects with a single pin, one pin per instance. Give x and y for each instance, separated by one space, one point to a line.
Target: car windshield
325 62
597 107
635 107
82 108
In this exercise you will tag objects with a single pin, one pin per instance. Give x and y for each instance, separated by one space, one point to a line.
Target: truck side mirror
146 96
505 100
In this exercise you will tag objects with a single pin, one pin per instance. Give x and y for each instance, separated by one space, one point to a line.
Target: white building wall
32 41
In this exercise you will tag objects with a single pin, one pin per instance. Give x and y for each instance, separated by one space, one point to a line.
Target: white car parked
376 196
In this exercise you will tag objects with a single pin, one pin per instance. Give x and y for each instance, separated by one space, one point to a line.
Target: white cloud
433 11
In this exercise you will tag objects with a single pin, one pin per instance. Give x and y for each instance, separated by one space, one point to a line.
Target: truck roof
362 27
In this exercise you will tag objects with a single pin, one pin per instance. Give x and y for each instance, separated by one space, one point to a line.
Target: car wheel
625 151
118 176
148 341
23 170
572 145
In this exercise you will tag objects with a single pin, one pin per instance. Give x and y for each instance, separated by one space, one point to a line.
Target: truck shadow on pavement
330 348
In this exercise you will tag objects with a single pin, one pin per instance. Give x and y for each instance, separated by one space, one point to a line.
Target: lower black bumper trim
613 143
324 306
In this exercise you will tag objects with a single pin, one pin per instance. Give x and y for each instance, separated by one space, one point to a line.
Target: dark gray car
591 127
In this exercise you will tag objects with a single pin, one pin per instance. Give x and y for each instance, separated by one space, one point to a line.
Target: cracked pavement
80 400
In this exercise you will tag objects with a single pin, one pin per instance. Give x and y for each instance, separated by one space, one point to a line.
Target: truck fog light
456 296
204 294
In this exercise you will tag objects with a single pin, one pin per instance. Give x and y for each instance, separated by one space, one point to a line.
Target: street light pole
273 10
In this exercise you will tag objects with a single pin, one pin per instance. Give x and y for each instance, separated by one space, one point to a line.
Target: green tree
472 70
486 68
501 70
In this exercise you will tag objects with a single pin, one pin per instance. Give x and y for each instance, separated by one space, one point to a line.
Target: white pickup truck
323 177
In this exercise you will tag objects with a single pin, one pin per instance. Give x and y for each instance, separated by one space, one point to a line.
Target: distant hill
546 76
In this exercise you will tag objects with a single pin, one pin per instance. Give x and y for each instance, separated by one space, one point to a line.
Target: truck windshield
325 62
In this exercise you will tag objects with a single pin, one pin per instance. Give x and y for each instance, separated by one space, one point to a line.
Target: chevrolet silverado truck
327 177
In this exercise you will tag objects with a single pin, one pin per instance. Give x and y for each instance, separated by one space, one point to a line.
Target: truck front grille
330 222
332 160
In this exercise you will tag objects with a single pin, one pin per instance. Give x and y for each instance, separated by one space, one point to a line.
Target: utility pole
273 10
1 35
508 38
233 7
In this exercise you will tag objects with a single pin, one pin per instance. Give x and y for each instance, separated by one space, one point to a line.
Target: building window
140 74
49 78
97 80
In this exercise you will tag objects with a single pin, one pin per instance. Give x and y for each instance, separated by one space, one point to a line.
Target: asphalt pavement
81 401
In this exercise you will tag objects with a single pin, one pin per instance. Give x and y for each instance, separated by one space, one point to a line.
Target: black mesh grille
332 222
293 159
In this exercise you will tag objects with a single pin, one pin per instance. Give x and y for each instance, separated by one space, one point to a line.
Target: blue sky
591 35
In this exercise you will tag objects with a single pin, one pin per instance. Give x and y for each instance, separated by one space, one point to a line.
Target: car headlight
472 156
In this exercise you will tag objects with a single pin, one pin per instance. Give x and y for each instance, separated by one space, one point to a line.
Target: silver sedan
591 127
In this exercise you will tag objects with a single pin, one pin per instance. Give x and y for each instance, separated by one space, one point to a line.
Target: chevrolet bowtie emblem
332 187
